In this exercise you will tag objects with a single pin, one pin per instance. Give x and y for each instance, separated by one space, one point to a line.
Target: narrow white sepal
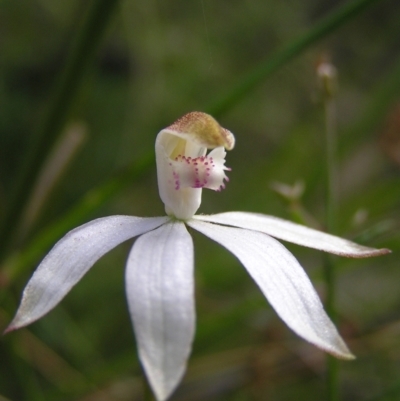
160 292
292 232
71 258
283 281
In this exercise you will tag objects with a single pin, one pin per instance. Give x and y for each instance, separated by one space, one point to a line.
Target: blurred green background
250 64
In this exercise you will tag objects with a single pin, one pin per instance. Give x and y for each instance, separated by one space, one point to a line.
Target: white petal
160 291
292 232
283 281
71 258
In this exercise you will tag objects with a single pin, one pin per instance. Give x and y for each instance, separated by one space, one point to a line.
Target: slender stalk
82 53
331 175
327 75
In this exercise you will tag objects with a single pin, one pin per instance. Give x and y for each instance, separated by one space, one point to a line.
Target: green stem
331 207
331 147
82 53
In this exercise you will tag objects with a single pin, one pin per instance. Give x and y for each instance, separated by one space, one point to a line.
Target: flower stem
331 179
327 75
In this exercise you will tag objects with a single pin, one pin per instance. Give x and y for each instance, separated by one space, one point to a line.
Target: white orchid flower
159 270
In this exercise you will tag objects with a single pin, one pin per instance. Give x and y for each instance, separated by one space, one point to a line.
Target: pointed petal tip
163 390
336 348
348 357
9 329
294 233
365 252
163 394
13 326
344 355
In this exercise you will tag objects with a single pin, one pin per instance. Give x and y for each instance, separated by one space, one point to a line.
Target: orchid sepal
70 258
295 233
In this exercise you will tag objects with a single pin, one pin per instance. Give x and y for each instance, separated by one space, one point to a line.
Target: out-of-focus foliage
157 61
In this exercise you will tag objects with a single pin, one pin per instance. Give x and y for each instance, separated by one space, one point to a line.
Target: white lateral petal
71 258
160 292
283 281
292 232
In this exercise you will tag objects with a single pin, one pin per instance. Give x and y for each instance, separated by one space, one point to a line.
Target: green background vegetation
117 73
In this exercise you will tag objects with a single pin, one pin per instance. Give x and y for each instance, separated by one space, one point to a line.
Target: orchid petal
283 281
160 292
71 258
295 233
